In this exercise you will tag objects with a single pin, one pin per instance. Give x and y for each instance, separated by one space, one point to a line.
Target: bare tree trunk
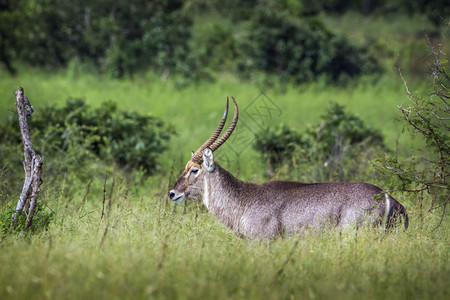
32 163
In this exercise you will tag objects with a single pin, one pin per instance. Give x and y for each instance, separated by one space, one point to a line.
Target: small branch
410 95
86 194
108 212
442 217
104 199
281 270
104 236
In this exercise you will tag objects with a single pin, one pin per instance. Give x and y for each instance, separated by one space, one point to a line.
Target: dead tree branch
32 163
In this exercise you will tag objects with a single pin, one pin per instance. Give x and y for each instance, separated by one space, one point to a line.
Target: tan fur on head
191 164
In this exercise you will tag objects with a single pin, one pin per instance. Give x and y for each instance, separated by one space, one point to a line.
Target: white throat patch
387 208
205 192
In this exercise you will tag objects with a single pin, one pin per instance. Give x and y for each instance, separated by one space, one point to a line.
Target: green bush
426 117
435 10
338 145
302 49
337 131
122 38
276 145
217 46
117 37
77 135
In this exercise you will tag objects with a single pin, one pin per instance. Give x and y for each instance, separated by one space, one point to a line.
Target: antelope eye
194 171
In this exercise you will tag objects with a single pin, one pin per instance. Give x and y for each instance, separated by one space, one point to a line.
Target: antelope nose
171 194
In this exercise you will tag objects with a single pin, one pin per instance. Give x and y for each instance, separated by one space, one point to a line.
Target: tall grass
145 249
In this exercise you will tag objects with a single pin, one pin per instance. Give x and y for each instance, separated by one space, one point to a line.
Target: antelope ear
208 160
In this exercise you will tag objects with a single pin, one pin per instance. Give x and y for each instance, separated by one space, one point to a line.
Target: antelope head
190 183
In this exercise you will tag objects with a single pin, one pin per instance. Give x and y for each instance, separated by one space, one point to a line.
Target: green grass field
146 248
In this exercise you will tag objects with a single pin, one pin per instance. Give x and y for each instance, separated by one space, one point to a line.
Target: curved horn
230 129
197 156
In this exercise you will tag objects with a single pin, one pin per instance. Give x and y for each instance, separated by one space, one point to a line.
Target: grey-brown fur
283 207
279 207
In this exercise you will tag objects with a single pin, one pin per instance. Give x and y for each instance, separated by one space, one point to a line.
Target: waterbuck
278 207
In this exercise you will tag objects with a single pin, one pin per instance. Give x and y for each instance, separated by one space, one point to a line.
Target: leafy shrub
427 118
302 48
336 6
117 37
337 131
434 10
336 143
120 38
77 135
217 46
277 145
